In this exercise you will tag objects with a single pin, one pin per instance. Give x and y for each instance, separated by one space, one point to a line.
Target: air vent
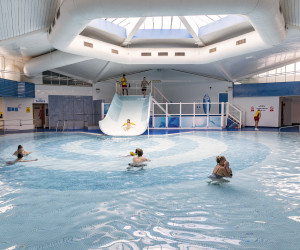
58 14
114 51
50 29
53 23
239 42
212 50
146 54
162 53
179 53
90 45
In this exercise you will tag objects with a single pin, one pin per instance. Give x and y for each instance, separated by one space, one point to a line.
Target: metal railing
234 114
189 115
16 124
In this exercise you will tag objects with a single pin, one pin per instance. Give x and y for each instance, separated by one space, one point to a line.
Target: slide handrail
234 114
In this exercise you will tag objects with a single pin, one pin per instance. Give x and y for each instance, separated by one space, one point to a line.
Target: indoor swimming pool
80 195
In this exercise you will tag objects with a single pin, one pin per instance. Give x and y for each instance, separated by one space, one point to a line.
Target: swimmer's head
123 75
20 156
128 120
20 147
219 159
139 151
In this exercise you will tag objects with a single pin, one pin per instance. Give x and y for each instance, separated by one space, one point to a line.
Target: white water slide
135 108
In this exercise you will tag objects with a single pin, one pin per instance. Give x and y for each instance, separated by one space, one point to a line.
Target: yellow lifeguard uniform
124 82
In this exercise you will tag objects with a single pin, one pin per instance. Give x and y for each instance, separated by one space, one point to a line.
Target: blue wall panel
16 89
267 89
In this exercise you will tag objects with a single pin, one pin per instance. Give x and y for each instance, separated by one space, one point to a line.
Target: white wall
43 91
12 118
104 91
176 86
265 104
295 110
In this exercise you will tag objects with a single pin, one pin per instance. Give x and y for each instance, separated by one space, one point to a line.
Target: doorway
40 115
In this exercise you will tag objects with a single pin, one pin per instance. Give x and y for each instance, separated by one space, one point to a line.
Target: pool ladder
62 127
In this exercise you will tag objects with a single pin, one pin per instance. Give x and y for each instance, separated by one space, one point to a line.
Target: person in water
19 159
128 125
222 168
139 158
21 150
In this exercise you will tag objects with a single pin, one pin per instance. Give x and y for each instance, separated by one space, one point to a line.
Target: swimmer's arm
26 152
27 160
225 173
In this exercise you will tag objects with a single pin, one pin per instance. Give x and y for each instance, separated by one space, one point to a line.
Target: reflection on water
80 196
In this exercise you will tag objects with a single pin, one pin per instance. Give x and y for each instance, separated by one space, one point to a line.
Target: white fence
17 124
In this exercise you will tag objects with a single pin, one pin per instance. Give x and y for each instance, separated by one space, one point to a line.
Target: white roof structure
229 39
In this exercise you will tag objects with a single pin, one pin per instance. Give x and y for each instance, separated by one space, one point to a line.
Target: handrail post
194 112
153 115
240 126
166 115
207 114
180 115
227 112
222 114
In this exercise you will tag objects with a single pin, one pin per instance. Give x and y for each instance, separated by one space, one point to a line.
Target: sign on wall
28 109
1 115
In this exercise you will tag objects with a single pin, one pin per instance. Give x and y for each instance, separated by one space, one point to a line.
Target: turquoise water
79 195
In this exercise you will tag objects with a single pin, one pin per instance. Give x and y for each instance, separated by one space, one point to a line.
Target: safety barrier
17 124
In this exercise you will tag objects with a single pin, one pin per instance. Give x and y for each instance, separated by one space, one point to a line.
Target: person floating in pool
128 125
139 158
19 159
256 118
222 168
21 150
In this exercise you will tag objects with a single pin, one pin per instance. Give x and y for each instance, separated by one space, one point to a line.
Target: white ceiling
23 25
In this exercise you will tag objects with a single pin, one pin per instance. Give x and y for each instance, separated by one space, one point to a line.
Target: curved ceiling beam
74 15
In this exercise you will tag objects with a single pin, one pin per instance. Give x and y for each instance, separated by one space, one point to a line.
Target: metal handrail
20 123
234 113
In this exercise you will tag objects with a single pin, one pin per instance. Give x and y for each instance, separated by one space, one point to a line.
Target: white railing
234 114
189 115
17 124
134 88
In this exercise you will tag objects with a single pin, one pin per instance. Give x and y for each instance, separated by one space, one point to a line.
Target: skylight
166 22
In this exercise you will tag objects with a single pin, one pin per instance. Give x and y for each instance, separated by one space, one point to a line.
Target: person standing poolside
144 84
220 169
124 84
139 158
256 118
21 151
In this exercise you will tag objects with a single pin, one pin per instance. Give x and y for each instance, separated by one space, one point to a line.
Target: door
223 97
39 115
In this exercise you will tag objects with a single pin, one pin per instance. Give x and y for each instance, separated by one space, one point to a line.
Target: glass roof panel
166 22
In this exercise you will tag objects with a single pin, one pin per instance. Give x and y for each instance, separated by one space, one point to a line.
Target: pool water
80 195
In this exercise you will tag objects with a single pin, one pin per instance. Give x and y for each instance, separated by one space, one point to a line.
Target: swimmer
21 151
19 159
139 158
220 169
128 125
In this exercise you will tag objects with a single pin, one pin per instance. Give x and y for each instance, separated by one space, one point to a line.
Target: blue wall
267 89
16 89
